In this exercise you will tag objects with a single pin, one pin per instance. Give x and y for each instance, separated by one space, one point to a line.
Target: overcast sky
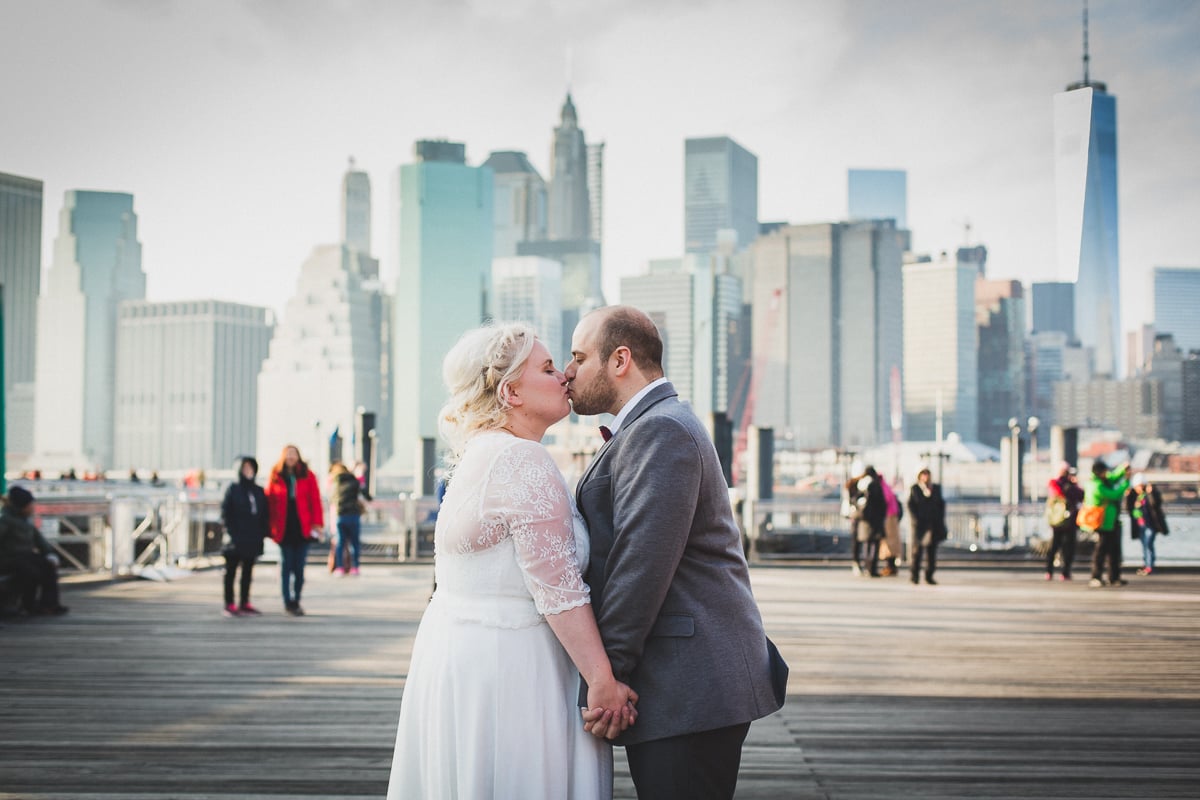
231 122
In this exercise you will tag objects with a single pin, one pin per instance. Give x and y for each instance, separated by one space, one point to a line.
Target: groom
670 585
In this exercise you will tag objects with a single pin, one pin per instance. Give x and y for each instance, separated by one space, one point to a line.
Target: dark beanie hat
19 498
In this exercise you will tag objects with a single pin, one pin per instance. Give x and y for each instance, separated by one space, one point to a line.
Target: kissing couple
566 622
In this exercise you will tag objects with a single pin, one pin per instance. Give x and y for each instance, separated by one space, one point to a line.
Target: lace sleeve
526 495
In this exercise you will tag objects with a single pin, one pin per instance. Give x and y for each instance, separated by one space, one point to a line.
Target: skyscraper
595 180
1085 166
519 205
666 295
20 275
187 383
1177 304
529 289
697 305
1166 366
1190 376
1050 357
97 263
940 356
1000 318
1054 308
878 194
570 213
324 360
356 209
444 228
720 192
828 331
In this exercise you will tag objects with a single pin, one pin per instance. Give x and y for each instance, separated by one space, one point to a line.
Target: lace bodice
510 545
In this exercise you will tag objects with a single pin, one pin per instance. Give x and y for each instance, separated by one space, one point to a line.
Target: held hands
611 709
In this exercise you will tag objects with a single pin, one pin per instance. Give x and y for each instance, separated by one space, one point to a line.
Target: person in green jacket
25 554
1106 489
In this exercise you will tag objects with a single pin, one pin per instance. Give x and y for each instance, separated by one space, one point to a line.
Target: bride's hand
611 709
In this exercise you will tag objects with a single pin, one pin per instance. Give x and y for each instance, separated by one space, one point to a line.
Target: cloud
231 121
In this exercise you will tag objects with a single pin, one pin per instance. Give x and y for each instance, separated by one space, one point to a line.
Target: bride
490 706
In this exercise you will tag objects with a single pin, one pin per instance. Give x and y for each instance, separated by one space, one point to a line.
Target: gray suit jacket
670 585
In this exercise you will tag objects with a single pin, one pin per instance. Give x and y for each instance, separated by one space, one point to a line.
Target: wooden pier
993 684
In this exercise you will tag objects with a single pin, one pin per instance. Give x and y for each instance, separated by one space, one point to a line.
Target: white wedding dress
490 707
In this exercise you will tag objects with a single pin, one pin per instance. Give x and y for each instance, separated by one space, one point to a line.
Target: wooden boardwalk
993 684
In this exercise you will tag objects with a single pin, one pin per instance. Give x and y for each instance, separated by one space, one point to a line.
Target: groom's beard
597 397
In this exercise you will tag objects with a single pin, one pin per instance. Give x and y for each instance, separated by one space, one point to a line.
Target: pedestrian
25 554
872 516
889 547
850 510
1101 514
1146 518
927 510
348 506
244 514
1064 495
294 505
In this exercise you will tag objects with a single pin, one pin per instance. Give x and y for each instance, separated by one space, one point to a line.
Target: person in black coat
872 505
927 510
244 513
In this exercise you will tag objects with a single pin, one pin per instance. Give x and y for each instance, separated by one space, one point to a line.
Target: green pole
3 403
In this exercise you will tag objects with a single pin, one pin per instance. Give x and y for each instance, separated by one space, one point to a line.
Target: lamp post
1014 451
942 457
1032 423
372 462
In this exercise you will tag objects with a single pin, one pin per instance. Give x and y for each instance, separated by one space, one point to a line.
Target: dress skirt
492 712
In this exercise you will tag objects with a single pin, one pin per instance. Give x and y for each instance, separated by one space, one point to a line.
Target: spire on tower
1086 58
1087 82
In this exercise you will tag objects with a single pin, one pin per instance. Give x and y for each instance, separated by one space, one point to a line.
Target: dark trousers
926 551
870 556
34 572
232 560
694 766
1062 541
292 558
1108 549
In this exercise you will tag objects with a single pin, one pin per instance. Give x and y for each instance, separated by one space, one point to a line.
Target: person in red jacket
294 502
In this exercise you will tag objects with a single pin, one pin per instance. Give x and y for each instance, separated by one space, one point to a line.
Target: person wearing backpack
1063 498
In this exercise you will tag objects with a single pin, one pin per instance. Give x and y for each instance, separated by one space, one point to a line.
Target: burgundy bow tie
605 432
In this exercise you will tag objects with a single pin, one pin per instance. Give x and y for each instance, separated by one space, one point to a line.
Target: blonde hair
478 371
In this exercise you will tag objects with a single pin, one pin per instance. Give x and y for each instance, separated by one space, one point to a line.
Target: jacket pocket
678 625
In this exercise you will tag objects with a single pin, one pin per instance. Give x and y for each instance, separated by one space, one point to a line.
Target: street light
1014 452
1033 423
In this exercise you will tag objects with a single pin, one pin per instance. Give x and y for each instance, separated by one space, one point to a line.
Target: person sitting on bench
27 556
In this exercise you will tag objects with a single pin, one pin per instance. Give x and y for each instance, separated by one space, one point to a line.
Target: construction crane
753 375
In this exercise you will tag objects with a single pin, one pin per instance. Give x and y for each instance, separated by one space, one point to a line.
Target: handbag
1090 518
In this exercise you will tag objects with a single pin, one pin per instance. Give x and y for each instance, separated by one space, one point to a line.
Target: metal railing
159 530
131 533
806 528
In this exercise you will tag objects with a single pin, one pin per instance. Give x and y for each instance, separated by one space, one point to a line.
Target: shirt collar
632 404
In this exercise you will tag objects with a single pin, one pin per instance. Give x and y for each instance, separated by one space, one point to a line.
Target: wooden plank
993 684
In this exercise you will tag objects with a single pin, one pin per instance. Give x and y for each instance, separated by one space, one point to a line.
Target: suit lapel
587 473
656 396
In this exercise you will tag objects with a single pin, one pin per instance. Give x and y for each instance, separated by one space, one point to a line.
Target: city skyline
231 124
